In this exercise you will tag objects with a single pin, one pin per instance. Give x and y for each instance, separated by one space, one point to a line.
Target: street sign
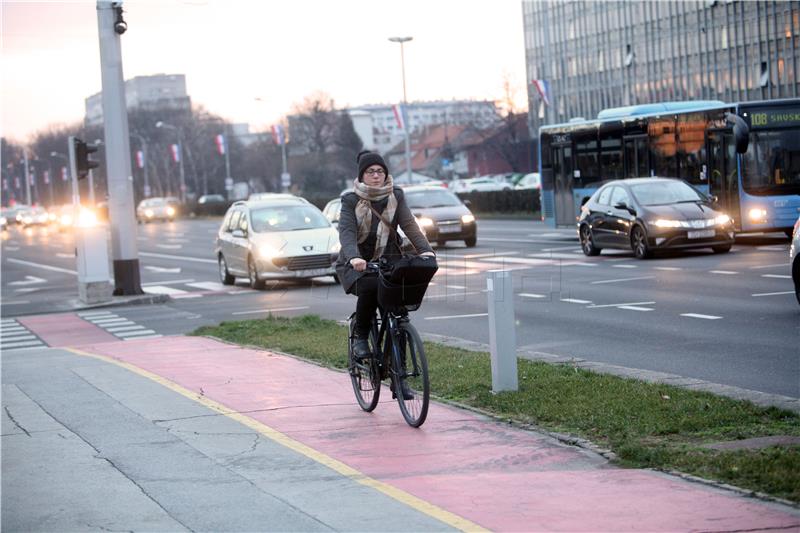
286 179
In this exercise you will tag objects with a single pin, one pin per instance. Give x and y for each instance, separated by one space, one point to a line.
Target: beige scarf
369 194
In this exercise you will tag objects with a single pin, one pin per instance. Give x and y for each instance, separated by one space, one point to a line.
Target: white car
157 209
794 258
530 181
482 184
275 238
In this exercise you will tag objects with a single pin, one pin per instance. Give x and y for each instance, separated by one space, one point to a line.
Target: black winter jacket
348 231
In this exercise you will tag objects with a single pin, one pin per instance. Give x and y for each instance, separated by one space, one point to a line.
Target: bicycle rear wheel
410 372
364 374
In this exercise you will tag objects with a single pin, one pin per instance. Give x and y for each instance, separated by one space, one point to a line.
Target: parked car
794 258
650 214
270 195
275 238
442 215
211 204
157 209
530 181
482 184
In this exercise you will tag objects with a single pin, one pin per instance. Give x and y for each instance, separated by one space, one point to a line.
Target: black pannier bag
405 283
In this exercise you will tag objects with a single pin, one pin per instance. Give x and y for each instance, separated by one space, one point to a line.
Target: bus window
611 159
772 162
662 147
586 161
691 147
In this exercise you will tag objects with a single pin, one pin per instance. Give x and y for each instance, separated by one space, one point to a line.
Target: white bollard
502 337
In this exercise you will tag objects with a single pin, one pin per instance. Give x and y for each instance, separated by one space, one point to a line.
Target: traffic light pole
124 248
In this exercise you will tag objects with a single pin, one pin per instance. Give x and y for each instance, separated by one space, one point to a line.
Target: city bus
745 154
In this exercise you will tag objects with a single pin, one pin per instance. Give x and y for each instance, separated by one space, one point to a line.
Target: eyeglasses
375 172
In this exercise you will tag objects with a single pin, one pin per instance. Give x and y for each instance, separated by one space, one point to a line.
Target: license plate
454 228
702 234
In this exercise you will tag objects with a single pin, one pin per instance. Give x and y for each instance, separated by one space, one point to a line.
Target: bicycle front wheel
364 374
411 384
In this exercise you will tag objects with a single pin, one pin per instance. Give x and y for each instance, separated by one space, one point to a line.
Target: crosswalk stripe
126 334
162 289
131 327
21 344
14 338
209 285
13 330
109 320
706 317
143 337
94 313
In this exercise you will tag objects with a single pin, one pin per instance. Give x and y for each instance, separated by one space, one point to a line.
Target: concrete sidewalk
460 470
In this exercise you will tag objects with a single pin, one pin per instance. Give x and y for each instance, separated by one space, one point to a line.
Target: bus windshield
772 162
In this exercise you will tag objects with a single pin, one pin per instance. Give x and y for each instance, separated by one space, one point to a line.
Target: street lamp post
143 142
66 160
285 178
402 40
161 124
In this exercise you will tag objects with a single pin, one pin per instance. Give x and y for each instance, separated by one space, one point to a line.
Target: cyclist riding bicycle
368 225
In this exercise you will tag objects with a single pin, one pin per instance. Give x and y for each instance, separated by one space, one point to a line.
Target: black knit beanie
366 159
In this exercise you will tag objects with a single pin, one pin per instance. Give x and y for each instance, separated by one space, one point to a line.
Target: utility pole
402 40
27 177
111 26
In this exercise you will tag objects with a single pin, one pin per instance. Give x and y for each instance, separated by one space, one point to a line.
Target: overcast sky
281 51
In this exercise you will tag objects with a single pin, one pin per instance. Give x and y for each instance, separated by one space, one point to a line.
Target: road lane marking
455 316
170 246
45 267
776 276
618 305
705 317
620 280
624 266
65 256
776 265
29 280
772 293
667 268
575 301
531 295
476 256
348 472
773 248
22 344
457 287
127 327
634 308
12 248
187 295
560 248
17 302
275 310
519 260
178 257
553 256
176 270
108 321
724 272
20 337
94 313
210 285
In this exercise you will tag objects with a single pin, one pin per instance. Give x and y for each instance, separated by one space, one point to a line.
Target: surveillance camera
120 26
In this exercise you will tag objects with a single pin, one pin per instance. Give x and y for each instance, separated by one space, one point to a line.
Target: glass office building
592 55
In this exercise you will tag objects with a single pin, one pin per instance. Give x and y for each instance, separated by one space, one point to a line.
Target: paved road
729 319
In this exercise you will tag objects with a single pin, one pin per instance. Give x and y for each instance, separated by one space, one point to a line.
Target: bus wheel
639 243
587 244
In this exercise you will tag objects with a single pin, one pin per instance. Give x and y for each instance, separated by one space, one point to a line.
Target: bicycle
396 348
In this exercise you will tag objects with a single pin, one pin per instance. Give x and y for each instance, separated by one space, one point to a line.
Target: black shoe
407 394
361 348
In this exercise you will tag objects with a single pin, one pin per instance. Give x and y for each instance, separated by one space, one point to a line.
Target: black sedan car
441 215
650 214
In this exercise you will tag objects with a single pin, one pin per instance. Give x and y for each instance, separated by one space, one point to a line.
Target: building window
763 80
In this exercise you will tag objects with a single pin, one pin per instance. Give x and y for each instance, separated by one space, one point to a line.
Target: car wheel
721 249
587 243
639 243
225 277
471 242
252 274
796 277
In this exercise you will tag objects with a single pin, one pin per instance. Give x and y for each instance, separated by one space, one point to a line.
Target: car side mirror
239 233
623 205
713 199
467 203
741 132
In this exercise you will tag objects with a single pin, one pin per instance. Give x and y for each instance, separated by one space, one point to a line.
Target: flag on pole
17 184
543 88
176 153
400 115
46 177
140 158
220 142
64 176
278 136
5 184
32 178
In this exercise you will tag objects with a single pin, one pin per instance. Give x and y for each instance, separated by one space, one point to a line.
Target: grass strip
646 425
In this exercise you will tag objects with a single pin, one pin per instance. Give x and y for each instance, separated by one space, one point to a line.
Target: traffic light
82 161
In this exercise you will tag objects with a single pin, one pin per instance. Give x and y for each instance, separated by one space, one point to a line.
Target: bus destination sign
774 118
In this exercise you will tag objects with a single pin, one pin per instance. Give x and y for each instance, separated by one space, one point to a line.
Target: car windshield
665 192
772 163
286 218
153 202
433 198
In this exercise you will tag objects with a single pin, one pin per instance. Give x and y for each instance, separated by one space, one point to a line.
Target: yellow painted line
402 496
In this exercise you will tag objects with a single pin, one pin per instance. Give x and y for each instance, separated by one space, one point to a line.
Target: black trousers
366 288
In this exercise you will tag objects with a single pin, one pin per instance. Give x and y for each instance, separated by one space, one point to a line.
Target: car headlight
335 247
722 219
148 213
266 251
466 219
66 220
424 222
170 211
666 223
3 221
87 218
757 214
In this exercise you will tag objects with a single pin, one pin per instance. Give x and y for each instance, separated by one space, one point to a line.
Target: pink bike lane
496 476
